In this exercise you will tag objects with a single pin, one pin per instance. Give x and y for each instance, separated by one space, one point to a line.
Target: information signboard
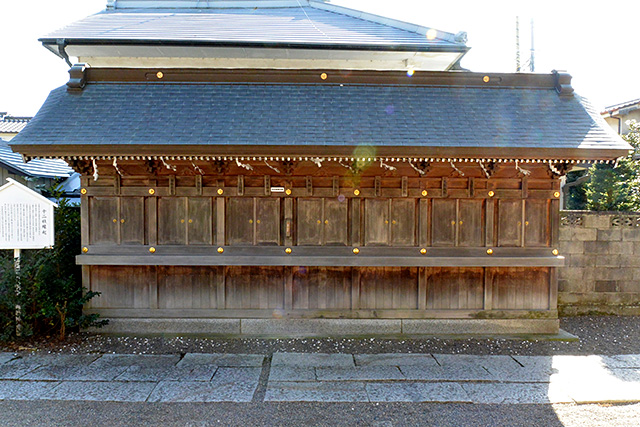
26 218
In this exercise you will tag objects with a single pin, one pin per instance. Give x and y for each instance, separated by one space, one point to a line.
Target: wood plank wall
243 209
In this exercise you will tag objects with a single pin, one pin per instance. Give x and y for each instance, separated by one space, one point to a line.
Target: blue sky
595 42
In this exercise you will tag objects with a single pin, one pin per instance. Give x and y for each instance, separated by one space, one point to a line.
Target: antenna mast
517 44
532 58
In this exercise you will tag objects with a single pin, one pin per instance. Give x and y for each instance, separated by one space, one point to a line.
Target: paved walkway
321 378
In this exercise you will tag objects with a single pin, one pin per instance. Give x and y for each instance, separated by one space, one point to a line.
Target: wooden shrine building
298 168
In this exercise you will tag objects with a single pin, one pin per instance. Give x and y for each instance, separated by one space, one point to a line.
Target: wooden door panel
509 222
309 225
200 221
239 222
132 224
103 220
470 222
536 223
267 221
376 219
335 222
172 221
443 220
403 222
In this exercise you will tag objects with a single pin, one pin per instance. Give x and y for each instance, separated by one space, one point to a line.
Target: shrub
51 294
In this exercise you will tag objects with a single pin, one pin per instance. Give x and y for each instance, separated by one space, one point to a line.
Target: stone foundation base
284 328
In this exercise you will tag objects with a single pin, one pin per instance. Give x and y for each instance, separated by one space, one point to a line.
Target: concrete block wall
602 268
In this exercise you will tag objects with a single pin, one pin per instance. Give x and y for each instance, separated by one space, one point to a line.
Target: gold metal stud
190 221
319 222
556 194
486 79
182 221
326 221
83 191
555 252
250 221
220 249
356 192
491 194
152 250
115 220
323 76
287 192
85 249
288 250
453 223
423 251
159 74
489 251
122 221
258 221
460 222
220 191
152 191
356 251
424 193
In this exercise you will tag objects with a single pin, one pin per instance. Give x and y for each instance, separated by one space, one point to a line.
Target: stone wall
602 269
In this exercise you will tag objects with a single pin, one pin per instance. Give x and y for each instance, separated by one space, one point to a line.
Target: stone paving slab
171 373
447 373
278 391
626 374
416 392
101 391
533 369
25 390
395 359
360 373
509 393
14 372
5 357
292 373
313 360
75 373
153 360
622 361
172 391
55 360
490 363
593 389
228 385
220 359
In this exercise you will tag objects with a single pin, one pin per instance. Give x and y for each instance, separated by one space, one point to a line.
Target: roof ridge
620 105
379 19
16 119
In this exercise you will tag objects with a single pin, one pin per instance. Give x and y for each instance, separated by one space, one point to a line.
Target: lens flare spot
432 34
390 109
410 72
341 198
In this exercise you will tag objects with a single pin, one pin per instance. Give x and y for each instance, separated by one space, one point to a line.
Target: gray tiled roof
620 106
41 168
297 25
325 115
11 124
